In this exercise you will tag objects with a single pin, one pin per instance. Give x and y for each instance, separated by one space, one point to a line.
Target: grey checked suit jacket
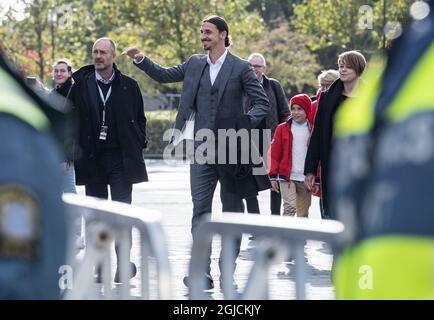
236 78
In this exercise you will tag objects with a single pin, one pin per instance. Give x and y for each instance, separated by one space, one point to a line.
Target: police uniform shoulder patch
19 222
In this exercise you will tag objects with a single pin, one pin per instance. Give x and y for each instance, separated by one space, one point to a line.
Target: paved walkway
168 191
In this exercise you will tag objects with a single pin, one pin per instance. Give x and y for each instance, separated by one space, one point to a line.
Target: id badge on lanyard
104 128
103 133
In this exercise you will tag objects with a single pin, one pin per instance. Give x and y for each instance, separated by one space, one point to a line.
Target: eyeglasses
257 66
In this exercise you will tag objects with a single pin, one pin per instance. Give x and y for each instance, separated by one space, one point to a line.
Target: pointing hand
134 53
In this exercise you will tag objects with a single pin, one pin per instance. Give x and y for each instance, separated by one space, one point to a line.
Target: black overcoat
127 103
320 144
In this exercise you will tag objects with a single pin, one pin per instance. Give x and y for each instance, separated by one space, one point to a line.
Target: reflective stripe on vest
13 101
417 93
386 267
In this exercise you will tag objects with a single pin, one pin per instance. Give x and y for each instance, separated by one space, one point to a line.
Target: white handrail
107 221
283 232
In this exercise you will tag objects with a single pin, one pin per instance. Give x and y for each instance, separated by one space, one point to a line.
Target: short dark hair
64 61
221 25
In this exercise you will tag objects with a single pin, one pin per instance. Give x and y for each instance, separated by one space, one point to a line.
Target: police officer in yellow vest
383 176
32 216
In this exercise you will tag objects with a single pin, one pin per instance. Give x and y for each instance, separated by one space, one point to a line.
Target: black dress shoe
209 283
133 273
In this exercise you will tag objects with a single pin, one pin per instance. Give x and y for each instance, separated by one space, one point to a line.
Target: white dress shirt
99 78
214 68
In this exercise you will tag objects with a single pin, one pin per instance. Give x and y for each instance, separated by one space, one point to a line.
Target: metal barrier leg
107 276
266 254
124 262
300 271
227 271
144 270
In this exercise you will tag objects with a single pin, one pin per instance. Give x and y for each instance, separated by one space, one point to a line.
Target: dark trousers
110 161
324 212
252 204
275 202
203 181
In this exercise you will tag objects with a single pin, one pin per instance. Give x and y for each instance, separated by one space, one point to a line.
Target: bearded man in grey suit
213 88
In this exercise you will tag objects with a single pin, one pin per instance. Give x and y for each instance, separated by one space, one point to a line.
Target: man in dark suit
279 112
111 128
214 85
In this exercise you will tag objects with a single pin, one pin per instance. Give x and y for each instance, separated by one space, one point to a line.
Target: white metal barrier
276 232
106 221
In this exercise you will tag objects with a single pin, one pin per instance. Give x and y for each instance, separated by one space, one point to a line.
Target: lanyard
104 101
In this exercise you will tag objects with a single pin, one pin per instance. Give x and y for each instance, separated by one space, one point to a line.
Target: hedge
158 122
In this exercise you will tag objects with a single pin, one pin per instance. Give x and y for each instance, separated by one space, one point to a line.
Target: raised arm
154 70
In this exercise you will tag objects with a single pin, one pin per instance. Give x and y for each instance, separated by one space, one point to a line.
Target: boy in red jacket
288 152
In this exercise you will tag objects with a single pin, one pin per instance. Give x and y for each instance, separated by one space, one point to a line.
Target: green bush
158 123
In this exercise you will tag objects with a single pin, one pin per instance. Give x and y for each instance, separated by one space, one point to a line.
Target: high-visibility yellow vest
356 116
14 101
388 266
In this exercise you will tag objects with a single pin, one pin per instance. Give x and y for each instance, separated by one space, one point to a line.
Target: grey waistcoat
208 113
205 102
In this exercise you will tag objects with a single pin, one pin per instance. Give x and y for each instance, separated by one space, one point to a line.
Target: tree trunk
41 61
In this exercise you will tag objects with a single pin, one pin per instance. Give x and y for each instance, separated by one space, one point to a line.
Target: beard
100 66
206 45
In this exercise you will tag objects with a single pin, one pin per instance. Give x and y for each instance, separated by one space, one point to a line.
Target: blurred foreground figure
383 173
32 216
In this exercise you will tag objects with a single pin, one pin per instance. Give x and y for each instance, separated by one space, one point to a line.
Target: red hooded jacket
312 113
280 153
311 119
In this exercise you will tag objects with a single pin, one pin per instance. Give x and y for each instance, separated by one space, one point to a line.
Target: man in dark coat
111 127
278 113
